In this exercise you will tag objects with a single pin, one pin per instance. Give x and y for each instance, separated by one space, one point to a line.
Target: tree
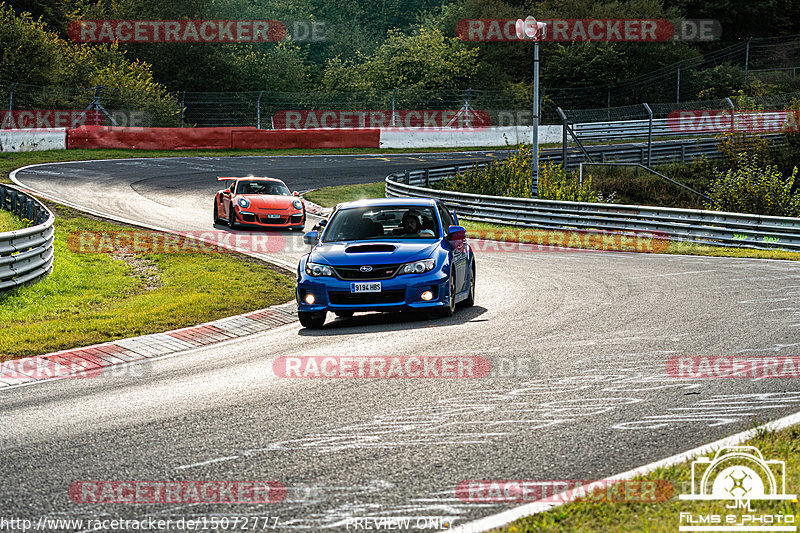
423 61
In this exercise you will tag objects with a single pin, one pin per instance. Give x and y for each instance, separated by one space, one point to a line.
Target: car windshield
392 222
262 187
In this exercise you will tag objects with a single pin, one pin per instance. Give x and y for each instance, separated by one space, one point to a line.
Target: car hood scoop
369 248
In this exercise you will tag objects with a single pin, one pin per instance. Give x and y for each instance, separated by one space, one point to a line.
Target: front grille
265 220
248 218
296 219
366 298
354 273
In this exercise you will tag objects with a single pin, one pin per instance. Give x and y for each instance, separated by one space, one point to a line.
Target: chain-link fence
689 84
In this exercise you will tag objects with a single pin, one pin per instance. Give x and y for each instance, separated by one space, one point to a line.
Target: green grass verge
92 298
586 516
330 196
9 222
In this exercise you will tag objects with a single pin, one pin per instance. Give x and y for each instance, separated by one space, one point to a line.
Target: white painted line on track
506 517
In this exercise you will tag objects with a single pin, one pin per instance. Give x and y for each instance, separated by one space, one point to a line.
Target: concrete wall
455 138
33 140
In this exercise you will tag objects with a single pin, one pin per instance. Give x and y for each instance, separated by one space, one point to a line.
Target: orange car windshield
262 187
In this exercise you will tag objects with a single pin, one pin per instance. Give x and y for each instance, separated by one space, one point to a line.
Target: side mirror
295 193
311 238
226 191
457 236
321 224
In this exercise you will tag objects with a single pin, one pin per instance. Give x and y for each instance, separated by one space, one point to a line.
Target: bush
512 177
752 188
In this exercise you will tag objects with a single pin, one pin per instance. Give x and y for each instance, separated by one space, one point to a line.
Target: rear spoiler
225 179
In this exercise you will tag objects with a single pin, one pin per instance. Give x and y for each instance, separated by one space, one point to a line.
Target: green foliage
512 177
751 187
732 144
425 60
30 53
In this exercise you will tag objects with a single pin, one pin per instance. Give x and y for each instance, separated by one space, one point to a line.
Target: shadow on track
383 322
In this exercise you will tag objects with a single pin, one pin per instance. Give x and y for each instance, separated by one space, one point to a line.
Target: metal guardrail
693 225
672 127
26 255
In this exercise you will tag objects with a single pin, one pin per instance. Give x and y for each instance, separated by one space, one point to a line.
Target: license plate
273 216
365 287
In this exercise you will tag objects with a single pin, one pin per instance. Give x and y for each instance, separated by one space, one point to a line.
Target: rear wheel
216 213
311 320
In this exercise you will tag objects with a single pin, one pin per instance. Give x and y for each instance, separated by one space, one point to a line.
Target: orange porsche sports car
262 202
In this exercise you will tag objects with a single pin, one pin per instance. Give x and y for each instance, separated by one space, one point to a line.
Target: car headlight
297 204
244 203
418 267
316 269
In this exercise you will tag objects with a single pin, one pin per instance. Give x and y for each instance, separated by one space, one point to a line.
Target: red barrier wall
357 138
218 138
151 138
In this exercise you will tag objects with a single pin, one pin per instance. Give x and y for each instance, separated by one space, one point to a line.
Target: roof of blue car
388 201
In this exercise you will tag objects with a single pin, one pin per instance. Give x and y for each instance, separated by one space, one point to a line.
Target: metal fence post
678 85
649 132
258 110
747 59
733 113
394 117
11 96
183 105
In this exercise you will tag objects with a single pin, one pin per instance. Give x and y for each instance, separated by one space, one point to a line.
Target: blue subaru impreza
386 254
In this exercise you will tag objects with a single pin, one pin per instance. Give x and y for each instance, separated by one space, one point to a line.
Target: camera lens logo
738 474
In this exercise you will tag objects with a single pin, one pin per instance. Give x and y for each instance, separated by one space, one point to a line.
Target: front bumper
262 220
399 293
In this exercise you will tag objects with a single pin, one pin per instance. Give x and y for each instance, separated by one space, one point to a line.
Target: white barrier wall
456 138
33 140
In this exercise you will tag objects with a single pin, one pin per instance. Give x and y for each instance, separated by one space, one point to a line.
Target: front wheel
311 320
451 302
470 301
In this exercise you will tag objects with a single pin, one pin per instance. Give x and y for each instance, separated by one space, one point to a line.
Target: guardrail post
408 177
29 210
683 153
427 177
649 132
